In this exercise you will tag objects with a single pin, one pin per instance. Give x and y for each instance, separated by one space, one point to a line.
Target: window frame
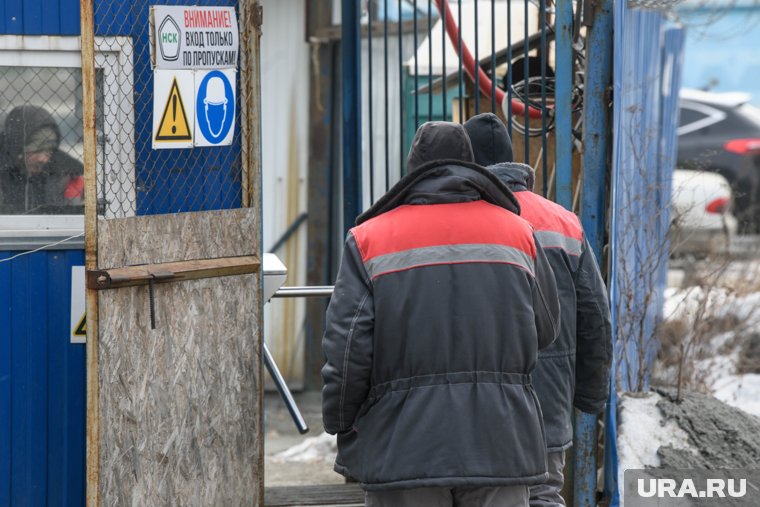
113 56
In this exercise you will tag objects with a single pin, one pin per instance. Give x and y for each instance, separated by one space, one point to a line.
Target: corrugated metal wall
647 78
42 383
39 17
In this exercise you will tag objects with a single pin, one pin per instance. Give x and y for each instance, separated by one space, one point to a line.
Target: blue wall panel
5 381
33 17
69 16
39 17
42 383
13 17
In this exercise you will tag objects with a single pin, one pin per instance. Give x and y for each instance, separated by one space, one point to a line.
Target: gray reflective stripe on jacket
447 254
422 384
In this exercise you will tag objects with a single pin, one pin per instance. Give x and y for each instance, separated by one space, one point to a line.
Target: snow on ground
323 447
740 391
734 297
642 429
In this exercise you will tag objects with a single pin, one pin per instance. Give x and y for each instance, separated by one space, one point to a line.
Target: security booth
130 348
42 327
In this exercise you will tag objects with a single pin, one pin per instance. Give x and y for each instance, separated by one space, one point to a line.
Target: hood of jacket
518 177
489 139
20 125
438 140
442 171
493 149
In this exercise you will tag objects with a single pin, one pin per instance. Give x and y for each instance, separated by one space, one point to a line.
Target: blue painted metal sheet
42 383
13 17
39 17
646 83
33 17
69 15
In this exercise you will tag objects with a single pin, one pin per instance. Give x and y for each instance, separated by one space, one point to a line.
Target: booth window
41 139
41 170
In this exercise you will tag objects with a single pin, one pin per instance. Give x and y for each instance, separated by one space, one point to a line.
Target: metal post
563 118
91 249
596 163
352 116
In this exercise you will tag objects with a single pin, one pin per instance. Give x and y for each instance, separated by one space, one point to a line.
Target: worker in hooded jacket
575 369
34 173
442 300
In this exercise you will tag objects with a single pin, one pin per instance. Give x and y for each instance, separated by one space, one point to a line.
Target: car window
698 117
751 113
689 115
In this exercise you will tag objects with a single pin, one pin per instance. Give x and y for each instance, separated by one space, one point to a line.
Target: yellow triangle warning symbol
81 329
174 125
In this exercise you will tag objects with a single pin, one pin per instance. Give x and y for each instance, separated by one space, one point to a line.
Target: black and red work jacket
442 301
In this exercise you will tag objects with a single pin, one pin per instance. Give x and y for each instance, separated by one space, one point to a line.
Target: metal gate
407 62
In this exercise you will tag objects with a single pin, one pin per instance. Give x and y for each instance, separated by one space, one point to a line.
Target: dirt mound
723 436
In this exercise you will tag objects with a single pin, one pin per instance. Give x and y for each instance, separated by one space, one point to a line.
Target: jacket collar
445 182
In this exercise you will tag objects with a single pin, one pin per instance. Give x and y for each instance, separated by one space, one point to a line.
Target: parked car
701 218
720 132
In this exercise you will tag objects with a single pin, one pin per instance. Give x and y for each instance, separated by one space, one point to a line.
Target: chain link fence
168 139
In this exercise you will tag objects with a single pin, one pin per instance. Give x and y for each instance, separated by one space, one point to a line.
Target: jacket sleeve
347 342
594 336
545 299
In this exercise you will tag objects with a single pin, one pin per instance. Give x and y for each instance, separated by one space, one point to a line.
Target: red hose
468 62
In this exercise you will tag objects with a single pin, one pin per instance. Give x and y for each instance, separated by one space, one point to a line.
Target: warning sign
173 109
81 329
194 37
78 318
173 125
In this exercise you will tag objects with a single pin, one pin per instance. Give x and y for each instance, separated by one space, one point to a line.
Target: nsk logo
715 488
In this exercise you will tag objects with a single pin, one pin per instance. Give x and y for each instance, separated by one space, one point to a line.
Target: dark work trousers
511 496
548 493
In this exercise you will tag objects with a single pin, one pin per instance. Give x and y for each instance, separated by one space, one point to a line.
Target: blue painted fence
646 82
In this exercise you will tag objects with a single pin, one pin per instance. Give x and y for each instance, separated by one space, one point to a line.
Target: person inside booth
36 177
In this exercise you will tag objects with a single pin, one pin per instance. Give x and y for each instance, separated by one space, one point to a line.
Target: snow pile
323 447
642 430
740 391
697 432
